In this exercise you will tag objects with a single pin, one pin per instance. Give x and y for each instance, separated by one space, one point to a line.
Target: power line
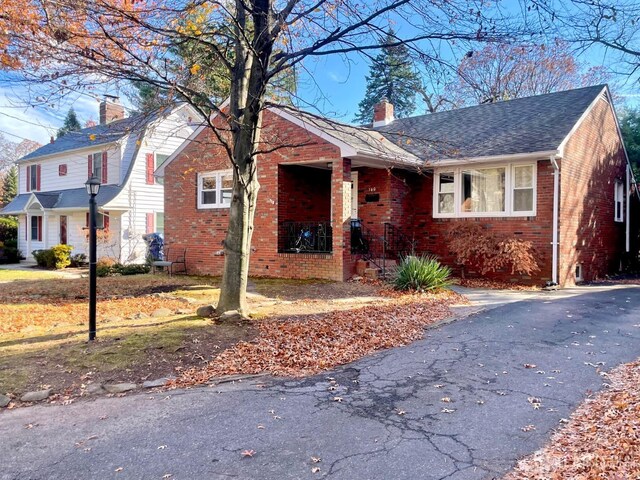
14 135
28 122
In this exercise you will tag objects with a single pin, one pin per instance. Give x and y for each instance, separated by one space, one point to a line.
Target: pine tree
9 186
392 75
71 123
630 127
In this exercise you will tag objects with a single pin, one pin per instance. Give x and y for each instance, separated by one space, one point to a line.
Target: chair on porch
166 262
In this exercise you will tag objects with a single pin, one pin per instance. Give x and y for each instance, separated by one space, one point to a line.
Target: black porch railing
392 245
306 237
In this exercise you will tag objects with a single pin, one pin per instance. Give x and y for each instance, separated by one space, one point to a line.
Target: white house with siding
52 203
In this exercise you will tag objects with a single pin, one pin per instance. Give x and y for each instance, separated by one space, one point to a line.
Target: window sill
213 207
487 215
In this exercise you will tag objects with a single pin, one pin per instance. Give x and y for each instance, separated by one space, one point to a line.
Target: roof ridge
501 102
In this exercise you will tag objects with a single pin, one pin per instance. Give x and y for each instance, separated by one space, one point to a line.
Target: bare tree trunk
249 81
237 244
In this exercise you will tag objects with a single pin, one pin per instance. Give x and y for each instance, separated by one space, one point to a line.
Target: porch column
28 234
45 230
341 216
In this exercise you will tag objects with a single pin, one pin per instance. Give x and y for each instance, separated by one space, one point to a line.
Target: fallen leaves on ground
494 284
47 303
601 440
17 318
304 345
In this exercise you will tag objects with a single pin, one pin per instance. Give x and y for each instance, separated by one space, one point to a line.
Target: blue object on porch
155 244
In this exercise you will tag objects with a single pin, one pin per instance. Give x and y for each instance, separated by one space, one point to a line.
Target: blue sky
331 85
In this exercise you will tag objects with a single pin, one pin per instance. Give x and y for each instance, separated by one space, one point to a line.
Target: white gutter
628 212
516 157
556 209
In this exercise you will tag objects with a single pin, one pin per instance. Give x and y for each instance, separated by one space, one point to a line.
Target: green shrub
106 267
421 273
58 256
133 269
44 258
8 229
9 252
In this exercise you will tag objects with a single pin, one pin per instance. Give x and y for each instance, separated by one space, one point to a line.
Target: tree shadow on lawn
121 353
70 334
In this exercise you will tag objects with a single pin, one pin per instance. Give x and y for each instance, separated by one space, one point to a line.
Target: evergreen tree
392 75
9 186
71 123
630 128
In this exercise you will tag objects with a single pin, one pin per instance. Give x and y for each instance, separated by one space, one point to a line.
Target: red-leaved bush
476 247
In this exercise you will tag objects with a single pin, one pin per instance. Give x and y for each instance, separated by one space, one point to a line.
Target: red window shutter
28 185
150 169
90 166
104 167
105 219
150 226
38 171
39 229
87 220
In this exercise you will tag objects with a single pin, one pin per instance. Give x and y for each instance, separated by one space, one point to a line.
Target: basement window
579 277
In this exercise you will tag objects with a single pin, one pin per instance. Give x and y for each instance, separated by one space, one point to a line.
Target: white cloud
19 120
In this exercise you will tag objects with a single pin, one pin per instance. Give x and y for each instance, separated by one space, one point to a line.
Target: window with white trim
446 192
487 191
618 202
483 190
36 228
215 189
523 188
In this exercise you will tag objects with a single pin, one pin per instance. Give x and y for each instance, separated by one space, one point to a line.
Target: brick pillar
341 218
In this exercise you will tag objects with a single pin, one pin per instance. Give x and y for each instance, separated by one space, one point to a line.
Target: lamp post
93 187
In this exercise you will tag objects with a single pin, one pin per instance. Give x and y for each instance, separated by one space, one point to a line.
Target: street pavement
458 404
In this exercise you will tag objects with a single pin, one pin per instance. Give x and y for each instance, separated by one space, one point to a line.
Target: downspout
556 209
628 211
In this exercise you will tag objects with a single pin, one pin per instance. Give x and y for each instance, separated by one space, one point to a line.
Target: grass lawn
7 275
297 328
44 329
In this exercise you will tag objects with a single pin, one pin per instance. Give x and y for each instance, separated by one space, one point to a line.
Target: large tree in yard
71 45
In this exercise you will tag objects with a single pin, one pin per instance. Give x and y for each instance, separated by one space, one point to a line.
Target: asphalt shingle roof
62 199
363 140
525 125
98 135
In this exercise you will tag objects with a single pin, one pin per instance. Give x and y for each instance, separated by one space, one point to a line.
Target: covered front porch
337 210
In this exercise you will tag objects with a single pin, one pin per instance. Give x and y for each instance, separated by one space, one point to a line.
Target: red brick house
550 169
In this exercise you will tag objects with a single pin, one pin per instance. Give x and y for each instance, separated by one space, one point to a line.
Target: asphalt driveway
464 403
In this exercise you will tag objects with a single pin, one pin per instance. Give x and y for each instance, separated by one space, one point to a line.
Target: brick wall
588 235
593 160
203 231
431 233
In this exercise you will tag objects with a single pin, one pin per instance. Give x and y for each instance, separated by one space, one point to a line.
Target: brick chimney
382 113
110 109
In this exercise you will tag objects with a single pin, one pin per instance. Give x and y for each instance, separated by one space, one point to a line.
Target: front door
354 195
63 229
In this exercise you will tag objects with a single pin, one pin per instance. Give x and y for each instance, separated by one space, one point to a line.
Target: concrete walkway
459 404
